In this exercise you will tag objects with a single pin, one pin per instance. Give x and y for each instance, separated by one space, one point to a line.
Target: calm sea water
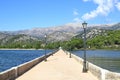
107 59
11 58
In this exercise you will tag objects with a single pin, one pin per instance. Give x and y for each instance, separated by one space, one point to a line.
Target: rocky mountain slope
60 33
94 30
68 28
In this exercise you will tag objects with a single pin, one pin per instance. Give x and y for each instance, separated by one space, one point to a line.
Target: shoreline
95 49
18 49
49 49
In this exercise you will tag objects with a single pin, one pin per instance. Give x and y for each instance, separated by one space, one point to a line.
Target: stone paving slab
58 67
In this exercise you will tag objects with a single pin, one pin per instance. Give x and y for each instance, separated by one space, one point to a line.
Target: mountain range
59 33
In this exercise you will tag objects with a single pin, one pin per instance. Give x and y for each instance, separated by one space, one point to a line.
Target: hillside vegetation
19 41
107 39
110 39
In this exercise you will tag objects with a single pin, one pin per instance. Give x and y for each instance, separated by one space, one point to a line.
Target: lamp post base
85 67
70 55
85 70
45 60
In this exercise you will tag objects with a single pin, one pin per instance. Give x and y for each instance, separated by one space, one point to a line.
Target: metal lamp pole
70 50
45 47
84 63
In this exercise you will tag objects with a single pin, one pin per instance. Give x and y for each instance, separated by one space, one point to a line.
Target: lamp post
84 63
70 50
45 47
70 55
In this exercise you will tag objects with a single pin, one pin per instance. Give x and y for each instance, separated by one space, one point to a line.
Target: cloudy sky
27 14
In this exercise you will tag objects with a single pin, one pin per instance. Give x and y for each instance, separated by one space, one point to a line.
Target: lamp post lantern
84 62
45 47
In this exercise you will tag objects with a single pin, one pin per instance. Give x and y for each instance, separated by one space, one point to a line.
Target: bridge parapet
100 73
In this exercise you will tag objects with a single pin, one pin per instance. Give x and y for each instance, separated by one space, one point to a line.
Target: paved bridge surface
57 67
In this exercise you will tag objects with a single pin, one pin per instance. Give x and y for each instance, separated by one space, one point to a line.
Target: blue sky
28 14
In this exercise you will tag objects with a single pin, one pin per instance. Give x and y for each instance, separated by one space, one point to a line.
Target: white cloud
77 19
118 5
104 8
75 13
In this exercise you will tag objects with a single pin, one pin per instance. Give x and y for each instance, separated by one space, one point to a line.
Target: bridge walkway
57 67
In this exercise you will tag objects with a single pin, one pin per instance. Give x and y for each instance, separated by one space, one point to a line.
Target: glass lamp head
84 24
